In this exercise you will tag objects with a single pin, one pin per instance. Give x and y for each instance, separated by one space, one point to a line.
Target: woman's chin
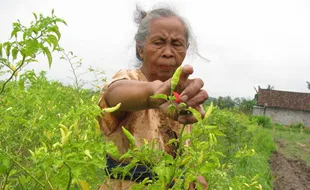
165 76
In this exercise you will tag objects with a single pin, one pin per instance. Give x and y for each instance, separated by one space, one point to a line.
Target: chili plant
199 158
26 43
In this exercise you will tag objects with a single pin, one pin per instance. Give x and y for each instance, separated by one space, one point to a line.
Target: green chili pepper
129 136
87 153
209 110
112 109
200 159
65 139
64 128
175 78
185 161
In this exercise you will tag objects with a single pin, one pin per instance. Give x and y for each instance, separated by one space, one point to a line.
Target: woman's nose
167 51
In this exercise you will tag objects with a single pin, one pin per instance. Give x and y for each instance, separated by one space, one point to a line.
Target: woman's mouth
166 67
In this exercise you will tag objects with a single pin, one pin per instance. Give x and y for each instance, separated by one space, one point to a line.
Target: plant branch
48 181
73 70
12 75
70 175
7 177
24 169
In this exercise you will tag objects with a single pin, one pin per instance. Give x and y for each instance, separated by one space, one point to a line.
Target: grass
263 144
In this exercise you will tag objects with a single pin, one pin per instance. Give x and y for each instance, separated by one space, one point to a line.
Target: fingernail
184 98
182 120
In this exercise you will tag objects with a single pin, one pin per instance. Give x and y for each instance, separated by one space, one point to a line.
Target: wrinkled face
164 49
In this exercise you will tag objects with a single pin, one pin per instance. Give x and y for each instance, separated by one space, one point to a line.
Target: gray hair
143 19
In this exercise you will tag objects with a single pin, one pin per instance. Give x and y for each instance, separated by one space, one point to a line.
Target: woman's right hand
191 93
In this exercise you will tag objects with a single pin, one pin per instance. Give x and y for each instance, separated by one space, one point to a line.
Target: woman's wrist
154 103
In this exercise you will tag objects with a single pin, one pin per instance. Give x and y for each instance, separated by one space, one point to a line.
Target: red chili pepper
177 97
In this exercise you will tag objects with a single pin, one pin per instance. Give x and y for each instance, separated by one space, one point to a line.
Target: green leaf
49 56
3 60
5 163
31 47
126 155
190 178
173 141
171 98
35 16
160 96
195 113
84 185
55 29
60 20
171 109
165 173
175 78
25 35
1 49
8 49
210 126
52 11
112 150
168 159
14 52
129 166
51 39
218 133
14 32
182 105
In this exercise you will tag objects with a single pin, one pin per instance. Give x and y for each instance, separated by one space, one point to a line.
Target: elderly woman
162 40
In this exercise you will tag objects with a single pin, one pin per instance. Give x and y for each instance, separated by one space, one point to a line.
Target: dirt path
289 174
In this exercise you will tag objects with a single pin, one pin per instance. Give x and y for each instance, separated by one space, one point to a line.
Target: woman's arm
134 95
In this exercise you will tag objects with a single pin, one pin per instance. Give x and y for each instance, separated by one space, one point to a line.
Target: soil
289 174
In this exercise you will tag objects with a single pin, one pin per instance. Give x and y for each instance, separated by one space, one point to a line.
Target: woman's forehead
167 26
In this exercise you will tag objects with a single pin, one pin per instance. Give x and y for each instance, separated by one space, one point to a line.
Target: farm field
50 137
291 162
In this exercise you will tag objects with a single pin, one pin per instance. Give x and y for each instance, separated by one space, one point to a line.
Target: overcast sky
249 42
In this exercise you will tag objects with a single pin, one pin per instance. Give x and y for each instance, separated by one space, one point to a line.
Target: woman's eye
177 44
158 42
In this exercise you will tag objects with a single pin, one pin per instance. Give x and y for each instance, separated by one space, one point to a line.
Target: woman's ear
140 52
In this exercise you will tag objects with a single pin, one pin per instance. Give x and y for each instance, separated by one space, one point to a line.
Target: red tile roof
284 99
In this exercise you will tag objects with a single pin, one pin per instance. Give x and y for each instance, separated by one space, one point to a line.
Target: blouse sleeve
109 122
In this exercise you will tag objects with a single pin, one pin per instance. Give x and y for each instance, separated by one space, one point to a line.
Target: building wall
284 116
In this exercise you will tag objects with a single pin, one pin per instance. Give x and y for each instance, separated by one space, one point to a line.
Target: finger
191 186
203 182
192 88
198 99
186 71
189 118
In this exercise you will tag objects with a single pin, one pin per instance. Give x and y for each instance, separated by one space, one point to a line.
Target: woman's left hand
192 94
202 181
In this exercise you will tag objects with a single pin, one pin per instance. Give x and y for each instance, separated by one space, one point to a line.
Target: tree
225 102
246 105
308 85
